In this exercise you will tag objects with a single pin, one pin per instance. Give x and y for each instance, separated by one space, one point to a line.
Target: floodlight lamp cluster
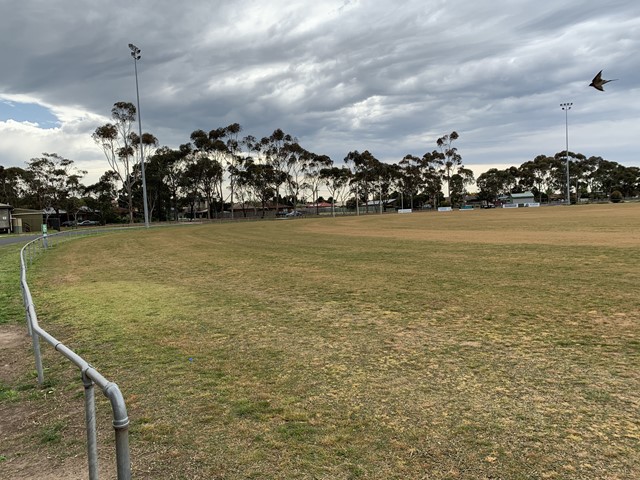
135 51
566 106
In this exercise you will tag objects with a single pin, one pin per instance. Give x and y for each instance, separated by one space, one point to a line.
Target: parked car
68 223
88 223
294 213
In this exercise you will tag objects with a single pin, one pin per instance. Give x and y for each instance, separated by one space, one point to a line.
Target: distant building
473 200
32 220
5 218
319 205
522 198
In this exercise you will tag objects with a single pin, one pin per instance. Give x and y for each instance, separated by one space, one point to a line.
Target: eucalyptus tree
190 180
296 163
561 173
12 186
589 167
174 165
222 158
234 149
163 174
259 179
224 147
242 183
149 147
512 180
275 150
209 153
491 184
397 183
431 168
602 177
533 174
547 172
336 179
630 181
367 171
459 181
495 182
102 196
117 142
612 176
312 173
364 167
579 171
53 179
149 144
349 162
385 176
410 176
211 182
451 158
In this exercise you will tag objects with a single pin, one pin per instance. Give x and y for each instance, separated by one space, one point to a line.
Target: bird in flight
598 81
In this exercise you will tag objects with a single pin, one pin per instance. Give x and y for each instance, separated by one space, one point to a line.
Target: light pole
566 107
135 53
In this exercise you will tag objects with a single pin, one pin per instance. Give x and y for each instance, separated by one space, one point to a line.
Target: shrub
616 196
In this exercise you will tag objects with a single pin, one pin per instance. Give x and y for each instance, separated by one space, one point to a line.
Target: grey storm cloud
341 75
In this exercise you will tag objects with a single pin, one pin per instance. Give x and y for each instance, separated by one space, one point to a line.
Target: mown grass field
482 344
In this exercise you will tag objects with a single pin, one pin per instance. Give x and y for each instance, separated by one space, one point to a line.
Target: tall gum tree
118 142
115 139
452 158
336 179
275 149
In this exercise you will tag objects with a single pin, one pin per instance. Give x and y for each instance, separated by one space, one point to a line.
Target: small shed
32 220
522 198
5 218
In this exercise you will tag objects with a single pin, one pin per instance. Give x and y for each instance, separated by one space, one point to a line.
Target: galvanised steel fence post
36 344
90 421
26 309
121 427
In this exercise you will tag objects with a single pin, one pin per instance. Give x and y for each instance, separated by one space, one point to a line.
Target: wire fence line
90 376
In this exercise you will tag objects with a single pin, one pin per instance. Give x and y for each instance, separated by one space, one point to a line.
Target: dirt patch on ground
27 411
13 340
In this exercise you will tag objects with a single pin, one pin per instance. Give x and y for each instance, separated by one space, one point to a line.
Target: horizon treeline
219 169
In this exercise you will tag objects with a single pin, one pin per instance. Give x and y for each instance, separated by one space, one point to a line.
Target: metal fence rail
90 376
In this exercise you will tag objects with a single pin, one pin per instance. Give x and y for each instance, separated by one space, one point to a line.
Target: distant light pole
566 107
135 53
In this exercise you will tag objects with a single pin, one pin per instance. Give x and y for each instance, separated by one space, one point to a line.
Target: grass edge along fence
90 376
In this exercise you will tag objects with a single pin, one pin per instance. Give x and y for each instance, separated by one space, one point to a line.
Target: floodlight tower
135 53
566 107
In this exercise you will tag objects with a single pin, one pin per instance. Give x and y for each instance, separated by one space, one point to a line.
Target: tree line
592 178
221 171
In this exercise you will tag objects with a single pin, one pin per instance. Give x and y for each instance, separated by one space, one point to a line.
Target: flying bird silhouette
598 81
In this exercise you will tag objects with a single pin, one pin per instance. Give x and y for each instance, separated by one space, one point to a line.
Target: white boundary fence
90 376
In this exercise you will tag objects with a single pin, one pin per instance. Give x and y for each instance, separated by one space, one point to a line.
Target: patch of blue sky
28 112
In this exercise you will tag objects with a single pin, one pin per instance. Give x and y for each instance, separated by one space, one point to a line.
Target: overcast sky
388 77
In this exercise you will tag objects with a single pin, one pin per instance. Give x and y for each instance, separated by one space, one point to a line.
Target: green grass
52 433
11 309
7 393
498 344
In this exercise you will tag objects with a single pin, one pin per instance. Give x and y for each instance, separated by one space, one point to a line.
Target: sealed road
9 239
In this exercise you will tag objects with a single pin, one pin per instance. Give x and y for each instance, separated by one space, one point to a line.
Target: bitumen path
9 239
